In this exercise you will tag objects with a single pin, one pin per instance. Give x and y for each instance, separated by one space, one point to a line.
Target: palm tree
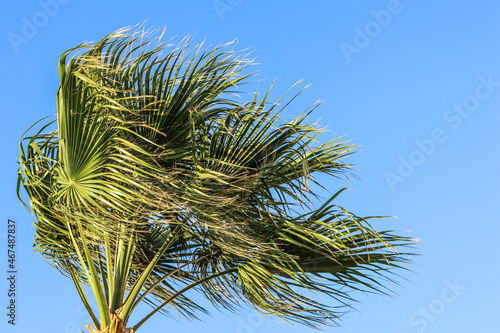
159 183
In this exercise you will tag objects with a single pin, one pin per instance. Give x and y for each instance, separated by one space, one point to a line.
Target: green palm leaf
159 183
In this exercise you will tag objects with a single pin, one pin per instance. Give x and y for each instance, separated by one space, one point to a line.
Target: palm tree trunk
116 326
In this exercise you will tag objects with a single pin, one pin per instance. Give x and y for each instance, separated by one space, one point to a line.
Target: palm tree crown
159 182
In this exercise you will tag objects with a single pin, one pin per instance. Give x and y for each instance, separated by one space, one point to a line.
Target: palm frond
160 183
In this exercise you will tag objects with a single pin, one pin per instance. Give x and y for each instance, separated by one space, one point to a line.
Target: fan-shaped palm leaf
159 182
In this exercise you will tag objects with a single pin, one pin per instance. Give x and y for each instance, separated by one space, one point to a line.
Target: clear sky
415 83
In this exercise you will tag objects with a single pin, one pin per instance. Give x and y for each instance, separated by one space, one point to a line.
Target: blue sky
416 84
